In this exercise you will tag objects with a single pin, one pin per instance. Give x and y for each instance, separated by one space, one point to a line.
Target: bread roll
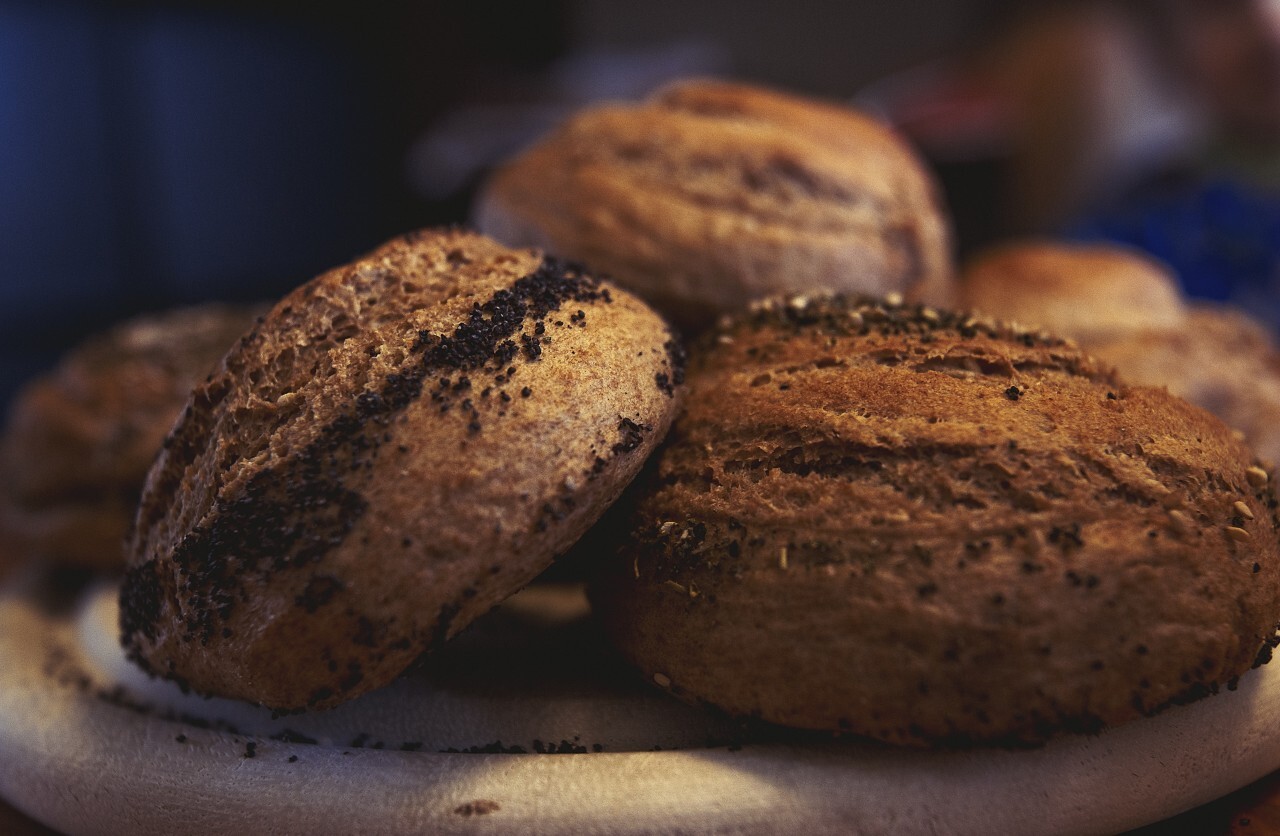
709 194
930 530
1125 309
1086 292
399 445
79 440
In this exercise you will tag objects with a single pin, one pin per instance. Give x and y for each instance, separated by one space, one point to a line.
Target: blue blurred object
156 155
1220 237
249 161
55 167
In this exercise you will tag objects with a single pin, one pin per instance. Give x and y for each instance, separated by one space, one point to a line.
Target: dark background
153 154
158 153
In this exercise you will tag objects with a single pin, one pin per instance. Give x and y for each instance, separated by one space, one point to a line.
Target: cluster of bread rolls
871 515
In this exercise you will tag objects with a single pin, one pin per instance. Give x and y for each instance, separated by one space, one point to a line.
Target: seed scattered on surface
782 558
893 300
1181 522
1243 510
1257 476
1237 533
662 680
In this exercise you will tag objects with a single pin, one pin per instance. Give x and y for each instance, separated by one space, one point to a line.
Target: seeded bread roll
1084 291
709 194
1125 309
401 443
929 530
80 439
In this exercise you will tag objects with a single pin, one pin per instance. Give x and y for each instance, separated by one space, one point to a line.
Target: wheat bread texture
1221 359
1126 309
709 194
78 440
399 445
933 529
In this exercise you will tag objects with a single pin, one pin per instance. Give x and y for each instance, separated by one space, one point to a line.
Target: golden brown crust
1220 360
926 528
1083 291
710 194
1125 309
403 442
80 439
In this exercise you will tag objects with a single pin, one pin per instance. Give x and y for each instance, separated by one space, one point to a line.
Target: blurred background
160 153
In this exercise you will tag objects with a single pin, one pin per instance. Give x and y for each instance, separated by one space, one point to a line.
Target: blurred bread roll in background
1087 293
79 440
1125 309
709 194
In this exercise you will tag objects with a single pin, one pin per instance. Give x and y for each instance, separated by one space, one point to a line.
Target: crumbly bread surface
399 445
1083 291
929 529
710 194
80 439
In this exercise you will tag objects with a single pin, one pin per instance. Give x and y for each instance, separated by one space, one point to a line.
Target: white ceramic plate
90 745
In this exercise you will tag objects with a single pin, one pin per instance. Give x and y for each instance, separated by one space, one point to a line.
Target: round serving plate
527 724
